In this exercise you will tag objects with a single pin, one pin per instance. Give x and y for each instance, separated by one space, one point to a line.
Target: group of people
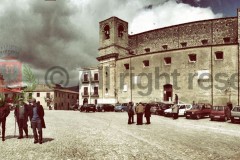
140 110
24 112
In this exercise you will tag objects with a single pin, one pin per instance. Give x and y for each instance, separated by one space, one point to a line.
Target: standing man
4 112
147 113
175 110
130 113
21 115
140 111
176 99
36 114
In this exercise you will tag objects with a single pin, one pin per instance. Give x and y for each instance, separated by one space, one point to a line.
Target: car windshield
236 109
196 107
218 108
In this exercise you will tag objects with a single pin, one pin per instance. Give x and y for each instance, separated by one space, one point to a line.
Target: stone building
198 61
64 98
88 85
43 94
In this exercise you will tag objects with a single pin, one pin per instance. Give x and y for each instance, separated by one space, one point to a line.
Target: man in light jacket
175 110
140 111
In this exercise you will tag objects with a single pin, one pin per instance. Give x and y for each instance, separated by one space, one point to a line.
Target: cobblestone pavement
75 135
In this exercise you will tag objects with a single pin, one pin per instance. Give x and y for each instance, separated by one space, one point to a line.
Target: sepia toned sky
65 32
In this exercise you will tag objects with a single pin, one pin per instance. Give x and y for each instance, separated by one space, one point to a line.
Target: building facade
198 61
64 98
43 94
88 86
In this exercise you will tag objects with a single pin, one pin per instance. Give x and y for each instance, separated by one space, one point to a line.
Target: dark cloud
63 32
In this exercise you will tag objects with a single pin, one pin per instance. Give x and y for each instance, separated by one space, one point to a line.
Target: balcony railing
85 94
94 94
85 80
94 80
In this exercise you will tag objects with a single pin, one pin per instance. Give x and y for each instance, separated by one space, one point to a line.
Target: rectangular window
48 95
125 88
126 66
85 77
30 95
168 60
184 44
219 55
204 42
96 76
85 90
192 57
146 63
38 94
95 90
147 50
226 40
165 47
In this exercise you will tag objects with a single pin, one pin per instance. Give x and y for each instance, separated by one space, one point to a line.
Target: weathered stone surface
75 135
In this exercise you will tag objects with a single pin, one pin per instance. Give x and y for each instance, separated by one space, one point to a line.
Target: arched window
120 31
107 32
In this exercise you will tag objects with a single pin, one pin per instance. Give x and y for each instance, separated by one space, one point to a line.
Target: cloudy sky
65 32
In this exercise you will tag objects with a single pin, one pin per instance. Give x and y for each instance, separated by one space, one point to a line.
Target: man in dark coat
4 112
176 99
130 113
147 113
21 115
36 114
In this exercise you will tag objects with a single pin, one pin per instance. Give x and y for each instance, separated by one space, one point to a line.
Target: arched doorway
167 92
85 100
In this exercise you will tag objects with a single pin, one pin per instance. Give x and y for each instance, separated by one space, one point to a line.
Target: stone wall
193 34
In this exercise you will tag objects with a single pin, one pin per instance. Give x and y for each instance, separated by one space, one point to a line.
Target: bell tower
113 37
113 44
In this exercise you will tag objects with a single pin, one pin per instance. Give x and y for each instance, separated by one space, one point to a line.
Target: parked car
154 107
105 107
182 109
199 110
88 108
121 107
163 106
220 113
235 114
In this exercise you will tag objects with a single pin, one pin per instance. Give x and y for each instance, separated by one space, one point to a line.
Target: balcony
85 94
94 94
85 80
94 80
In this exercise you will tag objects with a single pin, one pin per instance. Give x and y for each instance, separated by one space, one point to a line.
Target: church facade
198 61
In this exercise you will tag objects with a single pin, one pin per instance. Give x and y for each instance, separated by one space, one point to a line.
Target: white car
182 109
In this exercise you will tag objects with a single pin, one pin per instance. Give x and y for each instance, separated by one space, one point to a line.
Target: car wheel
198 116
232 120
211 119
187 117
122 110
225 119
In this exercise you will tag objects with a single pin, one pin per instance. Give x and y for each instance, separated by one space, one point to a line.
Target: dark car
88 108
220 113
163 106
199 110
105 107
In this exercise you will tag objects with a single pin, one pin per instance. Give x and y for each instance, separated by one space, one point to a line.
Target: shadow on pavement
47 140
